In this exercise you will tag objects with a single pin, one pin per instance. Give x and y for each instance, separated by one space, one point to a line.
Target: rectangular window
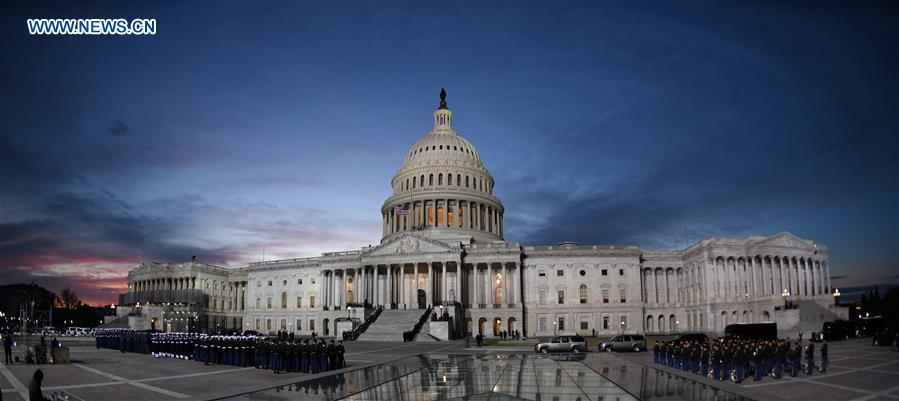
561 324
268 302
620 272
258 283
583 325
541 326
283 324
270 283
623 323
311 302
299 281
311 324
541 295
605 272
605 295
622 294
268 324
605 322
258 325
299 302
541 273
561 297
299 325
560 273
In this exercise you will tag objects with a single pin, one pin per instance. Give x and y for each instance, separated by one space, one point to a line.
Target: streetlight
836 296
676 323
348 309
785 294
555 332
622 327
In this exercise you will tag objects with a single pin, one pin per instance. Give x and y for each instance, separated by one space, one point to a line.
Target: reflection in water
459 377
649 383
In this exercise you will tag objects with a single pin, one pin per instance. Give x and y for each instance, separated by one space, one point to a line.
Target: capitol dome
443 189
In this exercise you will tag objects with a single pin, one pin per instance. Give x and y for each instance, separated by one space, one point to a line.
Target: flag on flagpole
401 210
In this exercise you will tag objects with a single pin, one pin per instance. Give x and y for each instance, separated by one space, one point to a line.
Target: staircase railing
356 332
410 335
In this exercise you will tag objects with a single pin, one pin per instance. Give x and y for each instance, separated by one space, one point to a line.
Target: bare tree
68 300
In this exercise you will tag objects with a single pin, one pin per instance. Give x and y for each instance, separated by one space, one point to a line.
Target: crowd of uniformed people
284 354
737 358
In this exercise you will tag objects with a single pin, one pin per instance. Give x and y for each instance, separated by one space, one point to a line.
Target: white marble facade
443 242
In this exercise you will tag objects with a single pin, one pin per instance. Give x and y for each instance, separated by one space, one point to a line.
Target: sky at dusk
247 126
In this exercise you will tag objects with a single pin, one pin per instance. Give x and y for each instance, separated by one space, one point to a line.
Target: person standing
810 358
797 360
341 360
34 387
7 348
824 358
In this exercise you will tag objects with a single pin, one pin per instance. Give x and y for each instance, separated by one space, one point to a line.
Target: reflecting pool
497 377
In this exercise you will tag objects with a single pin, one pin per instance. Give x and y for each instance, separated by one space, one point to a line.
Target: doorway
422 299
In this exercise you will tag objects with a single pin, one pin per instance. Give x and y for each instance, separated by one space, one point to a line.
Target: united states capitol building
443 246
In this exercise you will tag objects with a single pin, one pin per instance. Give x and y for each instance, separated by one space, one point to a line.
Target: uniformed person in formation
810 358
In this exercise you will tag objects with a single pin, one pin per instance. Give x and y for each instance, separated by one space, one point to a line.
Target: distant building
443 245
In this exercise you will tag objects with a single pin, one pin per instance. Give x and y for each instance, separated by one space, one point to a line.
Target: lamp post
622 328
348 310
676 323
555 331
785 294
836 296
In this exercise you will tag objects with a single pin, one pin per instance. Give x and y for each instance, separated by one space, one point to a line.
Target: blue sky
278 125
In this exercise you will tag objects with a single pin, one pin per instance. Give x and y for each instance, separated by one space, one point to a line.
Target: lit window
299 302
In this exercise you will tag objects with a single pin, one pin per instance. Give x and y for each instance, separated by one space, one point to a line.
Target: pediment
785 240
410 244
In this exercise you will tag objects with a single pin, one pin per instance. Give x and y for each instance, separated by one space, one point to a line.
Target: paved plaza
382 370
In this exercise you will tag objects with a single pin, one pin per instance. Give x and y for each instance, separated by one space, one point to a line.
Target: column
458 283
516 284
402 285
826 267
476 273
444 291
430 285
487 286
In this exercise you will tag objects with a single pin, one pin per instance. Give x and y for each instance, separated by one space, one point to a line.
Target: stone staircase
812 316
392 323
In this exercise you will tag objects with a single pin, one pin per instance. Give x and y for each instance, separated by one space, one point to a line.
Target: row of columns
672 286
165 284
486 284
739 278
444 213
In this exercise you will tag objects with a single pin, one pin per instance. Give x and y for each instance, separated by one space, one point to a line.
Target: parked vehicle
692 337
884 337
627 342
575 344
868 326
752 331
835 330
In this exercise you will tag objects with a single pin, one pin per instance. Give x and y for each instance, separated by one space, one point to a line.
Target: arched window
407 184
458 179
413 182
440 179
466 182
283 300
583 293
430 179
449 179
